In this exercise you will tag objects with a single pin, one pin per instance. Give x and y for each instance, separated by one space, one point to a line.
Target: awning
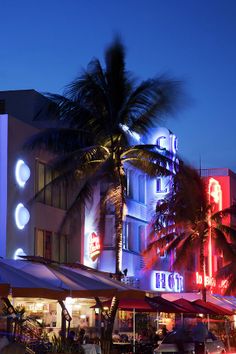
228 303
188 305
54 281
21 284
162 305
213 309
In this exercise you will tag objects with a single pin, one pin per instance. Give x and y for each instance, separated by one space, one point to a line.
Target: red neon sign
94 246
215 194
208 281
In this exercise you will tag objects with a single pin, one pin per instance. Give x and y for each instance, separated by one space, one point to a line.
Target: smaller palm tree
185 221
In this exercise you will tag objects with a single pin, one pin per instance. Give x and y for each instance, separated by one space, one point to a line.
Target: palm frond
83 198
58 140
228 231
150 102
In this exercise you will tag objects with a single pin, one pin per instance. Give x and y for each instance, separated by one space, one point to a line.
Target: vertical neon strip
3 181
215 196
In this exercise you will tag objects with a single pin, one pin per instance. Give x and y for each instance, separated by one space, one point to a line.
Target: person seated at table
115 336
124 338
81 337
144 336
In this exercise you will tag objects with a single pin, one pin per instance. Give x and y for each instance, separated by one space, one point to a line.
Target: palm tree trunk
107 319
119 218
119 236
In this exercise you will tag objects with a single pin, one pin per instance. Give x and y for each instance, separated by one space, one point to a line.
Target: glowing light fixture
22 173
19 252
22 216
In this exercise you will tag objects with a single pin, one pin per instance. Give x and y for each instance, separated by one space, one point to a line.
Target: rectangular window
160 185
130 184
63 248
40 182
125 242
142 188
39 243
48 190
50 194
141 238
50 245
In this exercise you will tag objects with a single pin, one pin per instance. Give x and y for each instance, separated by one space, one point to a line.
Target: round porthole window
22 173
22 216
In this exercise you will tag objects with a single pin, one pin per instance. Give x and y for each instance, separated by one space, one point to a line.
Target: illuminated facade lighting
22 173
22 216
19 252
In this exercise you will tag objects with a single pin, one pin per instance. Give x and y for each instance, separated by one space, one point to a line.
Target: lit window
130 184
49 193
50 245
142 188
141 238
162 142
159 186
126 231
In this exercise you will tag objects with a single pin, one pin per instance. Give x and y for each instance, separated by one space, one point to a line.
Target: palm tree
185 221
95 129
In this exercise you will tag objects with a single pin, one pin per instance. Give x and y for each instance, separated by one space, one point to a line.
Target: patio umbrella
20 283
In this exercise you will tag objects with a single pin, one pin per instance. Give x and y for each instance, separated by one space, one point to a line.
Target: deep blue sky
46 43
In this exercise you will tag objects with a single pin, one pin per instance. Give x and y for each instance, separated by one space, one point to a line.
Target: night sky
46 43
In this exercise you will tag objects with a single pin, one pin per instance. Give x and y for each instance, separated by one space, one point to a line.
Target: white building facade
31 227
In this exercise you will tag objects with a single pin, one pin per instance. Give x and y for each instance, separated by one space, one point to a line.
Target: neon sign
94 246
167 281
215 194
208 281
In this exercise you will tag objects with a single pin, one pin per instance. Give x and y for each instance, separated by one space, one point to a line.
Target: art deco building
31 226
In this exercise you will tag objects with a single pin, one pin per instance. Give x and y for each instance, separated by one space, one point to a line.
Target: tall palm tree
185 221
95 129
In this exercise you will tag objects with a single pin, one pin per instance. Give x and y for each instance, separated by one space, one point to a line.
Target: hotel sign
167 281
